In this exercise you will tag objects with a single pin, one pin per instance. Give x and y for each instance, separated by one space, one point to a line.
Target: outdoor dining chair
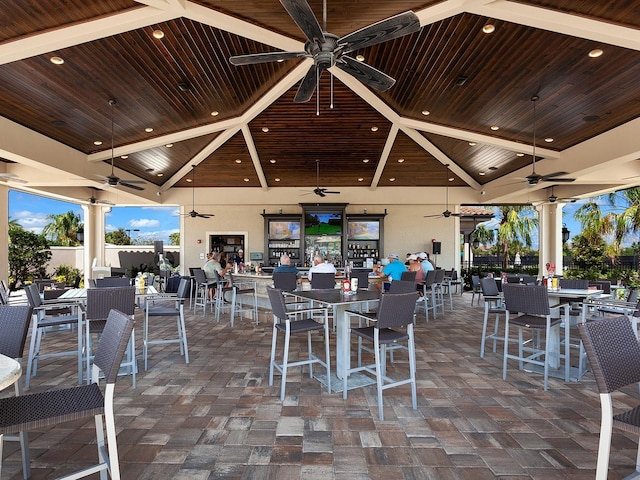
320 281
36 411
493 304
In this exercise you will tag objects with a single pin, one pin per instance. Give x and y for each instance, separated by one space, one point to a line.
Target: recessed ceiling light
426 112
238 160
169 145
265 129
495 127
280 60
360 58
595 53
246 179
124 157
215 113
148 129
158 34
365 160
548 139
374 129
488 28
149 170
451 179
57 60
361 179
392 179
473 144
161 174
277 179
519 154
493 169
189 180
97 142
481 174
273 160
401 160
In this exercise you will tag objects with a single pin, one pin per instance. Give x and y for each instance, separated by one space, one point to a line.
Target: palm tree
593 223
63 228
516 224
628 221
483 235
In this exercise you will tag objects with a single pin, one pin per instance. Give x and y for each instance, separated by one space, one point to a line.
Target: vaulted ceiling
179 101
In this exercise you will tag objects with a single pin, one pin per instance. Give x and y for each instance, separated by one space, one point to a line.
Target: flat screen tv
322 223
364 230
284 230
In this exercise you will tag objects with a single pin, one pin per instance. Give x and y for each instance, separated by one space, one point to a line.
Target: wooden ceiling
204 111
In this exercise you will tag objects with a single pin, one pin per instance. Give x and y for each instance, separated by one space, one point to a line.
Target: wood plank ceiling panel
579 96
411 166
340 137
24 17
221 169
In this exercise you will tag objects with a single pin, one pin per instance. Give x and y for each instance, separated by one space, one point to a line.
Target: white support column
94 230
550 236
4 233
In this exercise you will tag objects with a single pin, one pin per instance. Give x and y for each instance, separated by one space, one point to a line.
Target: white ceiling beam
382 162
255 158
66 37
554 21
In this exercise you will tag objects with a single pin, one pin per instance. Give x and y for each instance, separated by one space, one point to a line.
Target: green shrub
66 274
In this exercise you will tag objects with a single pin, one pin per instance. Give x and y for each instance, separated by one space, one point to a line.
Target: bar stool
244 287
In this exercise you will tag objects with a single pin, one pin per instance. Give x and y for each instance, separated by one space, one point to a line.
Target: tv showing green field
364 230
322 223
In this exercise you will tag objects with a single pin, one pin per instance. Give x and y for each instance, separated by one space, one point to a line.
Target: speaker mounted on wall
437 248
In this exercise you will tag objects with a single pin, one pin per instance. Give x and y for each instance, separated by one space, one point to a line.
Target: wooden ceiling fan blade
366 74
307 86
382 31
301 13
256 58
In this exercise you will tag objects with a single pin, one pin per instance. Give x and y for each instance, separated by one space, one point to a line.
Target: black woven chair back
513 279
633 295
4 296
613 352
184 289
14 325
323 281
402 286
92 283
454 274
440 273
408 276
604 285
278 306
529 299
363 278
430 278
286 281
109 282
100 301
574 283
53 293
33 295
489 287
43 283
199 275
396 309
113 344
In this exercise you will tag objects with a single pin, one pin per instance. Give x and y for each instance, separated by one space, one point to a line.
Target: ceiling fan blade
553 175
329 191
433 216
368 75
304 17
307 86
204 215
559 180
382 31
130 185
254 58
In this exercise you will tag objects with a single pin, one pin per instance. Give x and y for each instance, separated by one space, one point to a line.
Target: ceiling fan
11 177
95 201
534 178
553 198
447 213
328 50
321 192
112 180
193 213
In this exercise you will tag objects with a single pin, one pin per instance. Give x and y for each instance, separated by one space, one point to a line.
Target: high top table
339 302
10 371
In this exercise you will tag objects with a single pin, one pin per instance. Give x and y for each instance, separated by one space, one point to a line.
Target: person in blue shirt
285 265
395 267
426 263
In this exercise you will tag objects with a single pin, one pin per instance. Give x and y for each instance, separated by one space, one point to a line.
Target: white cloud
32 221
144 223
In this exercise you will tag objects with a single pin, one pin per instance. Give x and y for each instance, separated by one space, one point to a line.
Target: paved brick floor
218 418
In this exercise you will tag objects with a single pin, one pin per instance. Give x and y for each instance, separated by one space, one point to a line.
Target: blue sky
156 223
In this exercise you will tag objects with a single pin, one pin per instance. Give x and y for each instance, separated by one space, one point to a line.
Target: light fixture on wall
565 233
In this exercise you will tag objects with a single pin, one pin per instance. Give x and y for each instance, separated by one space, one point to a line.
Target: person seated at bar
214 265
393 270
416 266
285 265
427 265
320 266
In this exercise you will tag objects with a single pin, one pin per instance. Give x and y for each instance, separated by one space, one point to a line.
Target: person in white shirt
320 266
